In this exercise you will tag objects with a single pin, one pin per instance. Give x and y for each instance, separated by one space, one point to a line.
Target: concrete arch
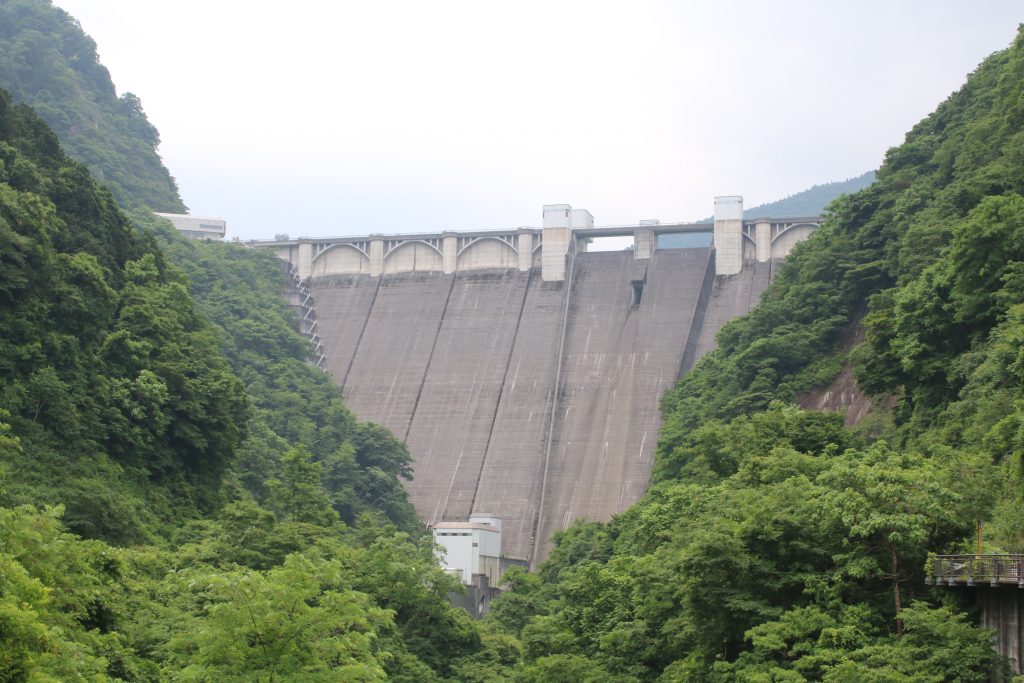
341 259
408 242
784 242
809 228
414 255
487 252
477 240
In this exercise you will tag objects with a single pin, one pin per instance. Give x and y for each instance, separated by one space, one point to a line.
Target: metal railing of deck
971 570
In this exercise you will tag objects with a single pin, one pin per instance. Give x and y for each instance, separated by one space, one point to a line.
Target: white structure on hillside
197 227
472 547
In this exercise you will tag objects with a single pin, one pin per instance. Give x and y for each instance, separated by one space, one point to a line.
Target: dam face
533 401
619 356
523 372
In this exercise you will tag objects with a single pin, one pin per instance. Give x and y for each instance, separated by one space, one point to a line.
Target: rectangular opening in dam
685 240
616 243
638 292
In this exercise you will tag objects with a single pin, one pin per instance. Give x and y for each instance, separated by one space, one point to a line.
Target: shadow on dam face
533 401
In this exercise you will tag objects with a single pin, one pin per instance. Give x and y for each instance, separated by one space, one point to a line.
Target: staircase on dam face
296 293
533 401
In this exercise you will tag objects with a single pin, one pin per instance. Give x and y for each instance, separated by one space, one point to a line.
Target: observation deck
972 570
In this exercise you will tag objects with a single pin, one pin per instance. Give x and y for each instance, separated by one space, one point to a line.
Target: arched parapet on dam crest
478 252
343 258
415 255
785 236
736 240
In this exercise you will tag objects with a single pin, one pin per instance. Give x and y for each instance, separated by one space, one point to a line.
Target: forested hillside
48 62
294 404
812 201
776 545
111 380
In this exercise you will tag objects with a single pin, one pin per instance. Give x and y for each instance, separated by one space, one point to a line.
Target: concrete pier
1002 610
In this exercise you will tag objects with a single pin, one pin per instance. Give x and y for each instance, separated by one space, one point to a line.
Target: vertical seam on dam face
501 392
693 338
511 476
359 339
453 422
616 361
430 357
556 387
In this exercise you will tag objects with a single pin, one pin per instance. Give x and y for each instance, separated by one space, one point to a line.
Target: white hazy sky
317 117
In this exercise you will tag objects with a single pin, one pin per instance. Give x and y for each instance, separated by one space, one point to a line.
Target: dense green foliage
49 63
126 411
295 405
777 545
241 597
780 531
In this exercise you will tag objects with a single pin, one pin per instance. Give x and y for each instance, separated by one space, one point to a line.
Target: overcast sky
337 118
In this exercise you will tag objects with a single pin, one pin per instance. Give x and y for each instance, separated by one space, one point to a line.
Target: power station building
472 547
472 551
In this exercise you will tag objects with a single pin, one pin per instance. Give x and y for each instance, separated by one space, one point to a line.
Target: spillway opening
685 240
638 291
616 243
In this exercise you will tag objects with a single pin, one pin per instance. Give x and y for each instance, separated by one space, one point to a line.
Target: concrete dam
522 371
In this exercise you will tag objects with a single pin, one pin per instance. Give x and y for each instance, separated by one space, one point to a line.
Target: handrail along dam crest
524 372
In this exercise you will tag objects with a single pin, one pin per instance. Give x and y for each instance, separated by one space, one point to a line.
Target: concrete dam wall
523 372
531 400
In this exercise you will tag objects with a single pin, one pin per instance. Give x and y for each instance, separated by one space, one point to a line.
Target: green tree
894 507
298 622
299 495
